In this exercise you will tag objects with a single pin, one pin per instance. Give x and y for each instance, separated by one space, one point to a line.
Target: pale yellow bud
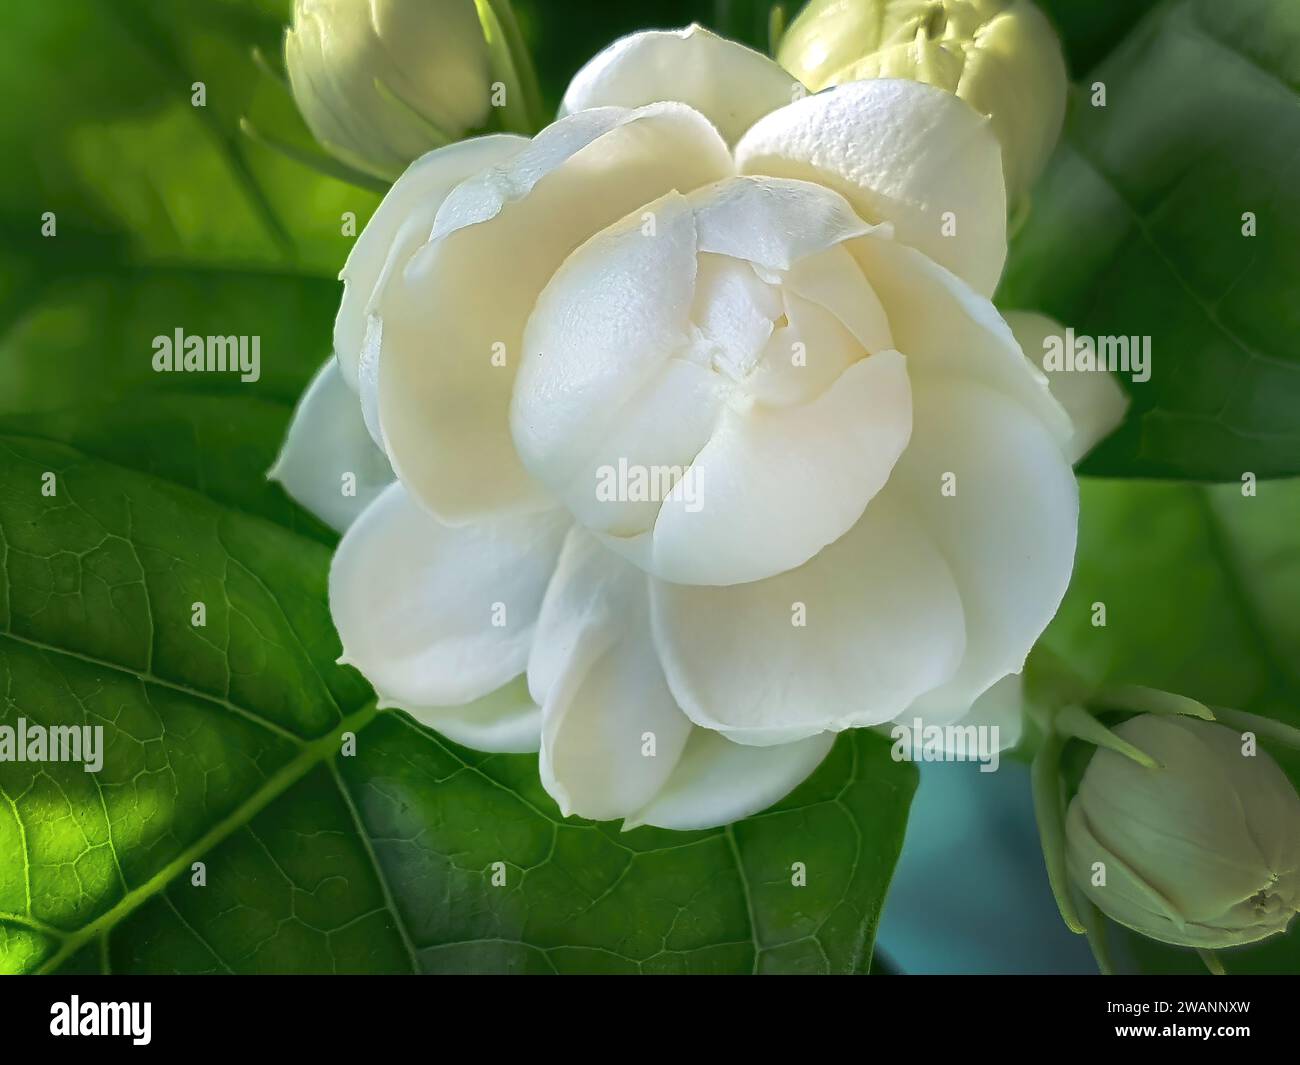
1000 56
381 82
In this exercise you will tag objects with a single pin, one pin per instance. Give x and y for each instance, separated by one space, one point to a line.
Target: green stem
1141 699
318 161
1264 726
1018 215
1049 810
512 64
1054 682
1098 941
1075 721
1212 962
775 28
275 74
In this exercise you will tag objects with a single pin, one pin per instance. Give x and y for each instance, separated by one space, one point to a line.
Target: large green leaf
1200 586
1137 230
224 744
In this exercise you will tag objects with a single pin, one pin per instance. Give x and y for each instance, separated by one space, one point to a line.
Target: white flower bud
381 82
1203 851
1000 56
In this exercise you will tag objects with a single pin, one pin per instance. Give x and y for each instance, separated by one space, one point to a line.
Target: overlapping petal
612 329
731 85
328 462
1001 707
850 638
505 721
718 781
990 484
401 223
900 152
937 593
611 731
1095 401
436 615
950 333
657 347
453 317
822 460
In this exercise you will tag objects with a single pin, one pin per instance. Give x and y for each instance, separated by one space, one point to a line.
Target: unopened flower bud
1000 56
1201 851
381 82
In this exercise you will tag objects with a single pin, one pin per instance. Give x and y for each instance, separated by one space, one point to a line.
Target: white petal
654 348
949 332
326 441
506 721
772 222
368 380
806 356
1001 707
605 698
881 623
1007 528
718 781
734 309
731 85
828 280
400 224
435 615
774 485
901 152
1094 400
458 309
603 379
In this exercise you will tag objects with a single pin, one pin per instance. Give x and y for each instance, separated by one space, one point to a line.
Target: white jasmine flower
842 493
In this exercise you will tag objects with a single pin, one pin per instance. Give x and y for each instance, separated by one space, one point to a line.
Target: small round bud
1202 851
381 82
1000 56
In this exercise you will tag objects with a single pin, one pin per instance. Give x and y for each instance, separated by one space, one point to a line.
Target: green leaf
1137 230
1199 586
167 215
117 149
1090 30
217 446
83 331
223 745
